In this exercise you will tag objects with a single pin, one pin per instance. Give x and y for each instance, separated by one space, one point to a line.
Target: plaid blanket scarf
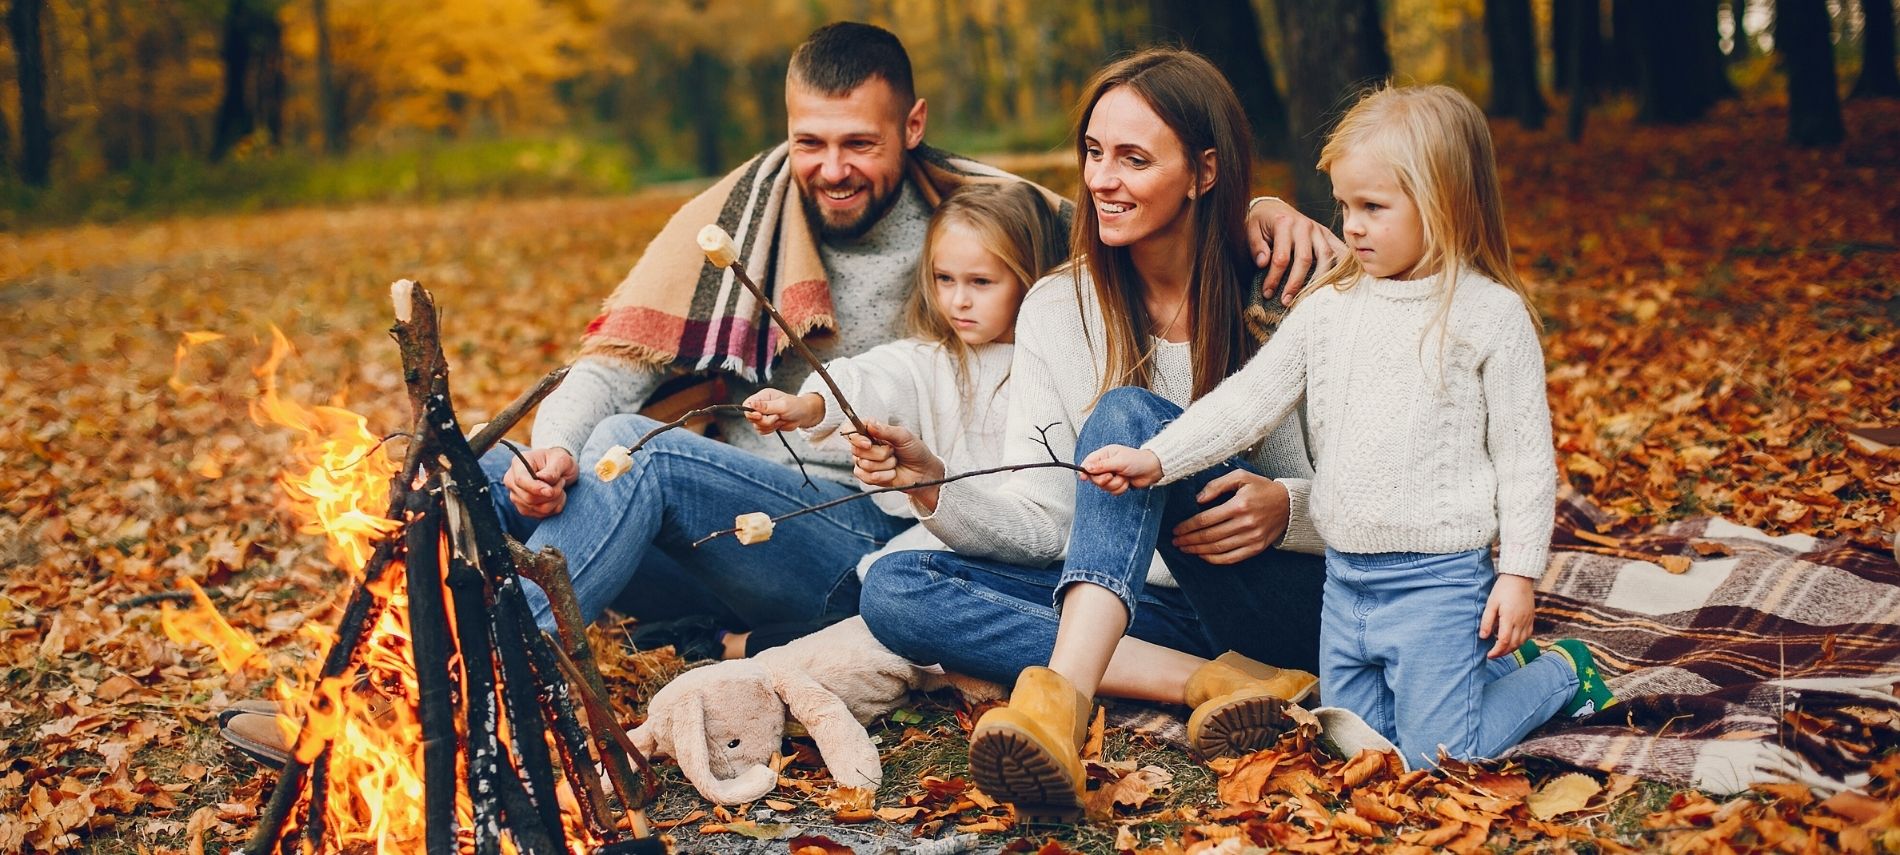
673 310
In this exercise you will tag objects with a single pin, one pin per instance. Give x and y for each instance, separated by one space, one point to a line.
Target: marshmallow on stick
724 254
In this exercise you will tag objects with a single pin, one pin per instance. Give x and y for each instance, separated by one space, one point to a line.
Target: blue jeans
1400 647
991 620
684 486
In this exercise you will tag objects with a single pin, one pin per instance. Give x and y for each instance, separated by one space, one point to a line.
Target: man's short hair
839 57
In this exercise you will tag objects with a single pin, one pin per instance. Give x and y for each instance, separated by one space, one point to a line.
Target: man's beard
873 211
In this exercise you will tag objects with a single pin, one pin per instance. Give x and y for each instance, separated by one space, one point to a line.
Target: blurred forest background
110 108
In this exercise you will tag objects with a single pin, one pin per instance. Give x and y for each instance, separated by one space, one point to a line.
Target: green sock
1592 693
1526 653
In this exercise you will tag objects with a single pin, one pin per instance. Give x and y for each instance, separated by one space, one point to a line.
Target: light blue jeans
683 487
1399 646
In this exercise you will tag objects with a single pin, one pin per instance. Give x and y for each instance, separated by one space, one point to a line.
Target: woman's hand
541 493
1288 244
773 410
1252 519
1511 611
1116 468
894 457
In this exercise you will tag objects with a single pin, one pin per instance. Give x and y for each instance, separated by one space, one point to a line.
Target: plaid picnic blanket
1763 659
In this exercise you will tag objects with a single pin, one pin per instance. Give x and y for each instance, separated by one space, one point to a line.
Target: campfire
441 719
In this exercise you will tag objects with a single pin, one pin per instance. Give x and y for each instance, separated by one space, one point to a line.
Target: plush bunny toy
723 722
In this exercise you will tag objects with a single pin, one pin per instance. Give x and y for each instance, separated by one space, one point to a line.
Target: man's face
848 152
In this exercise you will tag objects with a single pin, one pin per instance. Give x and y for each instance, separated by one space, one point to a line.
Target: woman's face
1137 172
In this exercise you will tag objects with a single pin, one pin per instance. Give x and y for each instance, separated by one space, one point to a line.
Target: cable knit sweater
1023 517
1410 458
915 384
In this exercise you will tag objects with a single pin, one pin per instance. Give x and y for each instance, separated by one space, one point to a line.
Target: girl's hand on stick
774 410
1116 468
892 456
1511 612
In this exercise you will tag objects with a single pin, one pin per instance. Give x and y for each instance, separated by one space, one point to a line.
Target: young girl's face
976 292
1382 222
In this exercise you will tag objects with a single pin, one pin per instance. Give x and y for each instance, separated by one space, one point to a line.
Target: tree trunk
1582 42
1624 70
1329 56
1877 77
705 81
272 81
1508 30
1574 23
1670 37
1814 105
36 133
235 118
336 138
1227 32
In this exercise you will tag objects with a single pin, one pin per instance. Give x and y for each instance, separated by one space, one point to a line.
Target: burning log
490 664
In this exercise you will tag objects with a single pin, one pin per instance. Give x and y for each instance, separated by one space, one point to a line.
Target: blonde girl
946 383
1419 364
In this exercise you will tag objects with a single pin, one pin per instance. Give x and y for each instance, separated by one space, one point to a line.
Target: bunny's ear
695 759
842 742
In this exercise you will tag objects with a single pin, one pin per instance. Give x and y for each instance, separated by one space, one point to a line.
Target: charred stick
548 569
527 727
314 821
577 758
615 745
431 644
823 506
504 421
522 818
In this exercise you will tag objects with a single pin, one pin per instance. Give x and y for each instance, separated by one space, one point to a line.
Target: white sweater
1023 517
914 384
1409 458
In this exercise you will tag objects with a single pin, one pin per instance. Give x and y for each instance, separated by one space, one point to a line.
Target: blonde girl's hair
1438 145
1198 104
1013 222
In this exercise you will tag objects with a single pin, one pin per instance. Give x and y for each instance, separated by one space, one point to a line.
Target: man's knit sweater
1410 458
1023 517
870 277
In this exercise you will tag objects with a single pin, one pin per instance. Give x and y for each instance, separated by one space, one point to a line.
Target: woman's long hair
1439 147
1013 222
1199 105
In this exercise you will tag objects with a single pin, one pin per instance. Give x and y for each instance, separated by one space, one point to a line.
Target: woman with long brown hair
1158 306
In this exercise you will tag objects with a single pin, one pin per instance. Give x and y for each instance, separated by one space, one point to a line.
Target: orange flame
338 483
202 623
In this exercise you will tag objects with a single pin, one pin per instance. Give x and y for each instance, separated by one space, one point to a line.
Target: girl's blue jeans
638 530
990 619
1399 646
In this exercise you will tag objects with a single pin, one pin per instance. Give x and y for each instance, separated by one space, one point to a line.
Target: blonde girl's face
976 292
1383 225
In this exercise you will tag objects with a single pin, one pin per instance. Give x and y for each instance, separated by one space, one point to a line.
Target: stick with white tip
720 250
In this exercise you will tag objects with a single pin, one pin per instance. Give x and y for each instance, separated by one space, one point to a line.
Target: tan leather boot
1027 753
1240 704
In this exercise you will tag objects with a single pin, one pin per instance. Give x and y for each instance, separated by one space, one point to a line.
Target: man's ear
1210 171
914 124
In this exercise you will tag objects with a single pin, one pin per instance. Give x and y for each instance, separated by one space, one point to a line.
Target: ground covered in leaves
1720 310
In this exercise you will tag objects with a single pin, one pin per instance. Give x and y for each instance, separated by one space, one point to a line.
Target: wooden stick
601 717
798 341
577 756
504 421
432 646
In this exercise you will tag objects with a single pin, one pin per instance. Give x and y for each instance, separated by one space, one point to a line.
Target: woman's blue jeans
639 529
991 620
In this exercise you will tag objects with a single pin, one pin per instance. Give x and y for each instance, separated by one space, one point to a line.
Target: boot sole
1242 727
1013 767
